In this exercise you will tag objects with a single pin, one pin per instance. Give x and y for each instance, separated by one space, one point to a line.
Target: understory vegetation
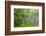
26 17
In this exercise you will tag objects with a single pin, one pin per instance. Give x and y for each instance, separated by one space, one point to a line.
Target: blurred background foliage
26 17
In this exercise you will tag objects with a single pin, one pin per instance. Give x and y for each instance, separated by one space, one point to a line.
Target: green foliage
22 17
